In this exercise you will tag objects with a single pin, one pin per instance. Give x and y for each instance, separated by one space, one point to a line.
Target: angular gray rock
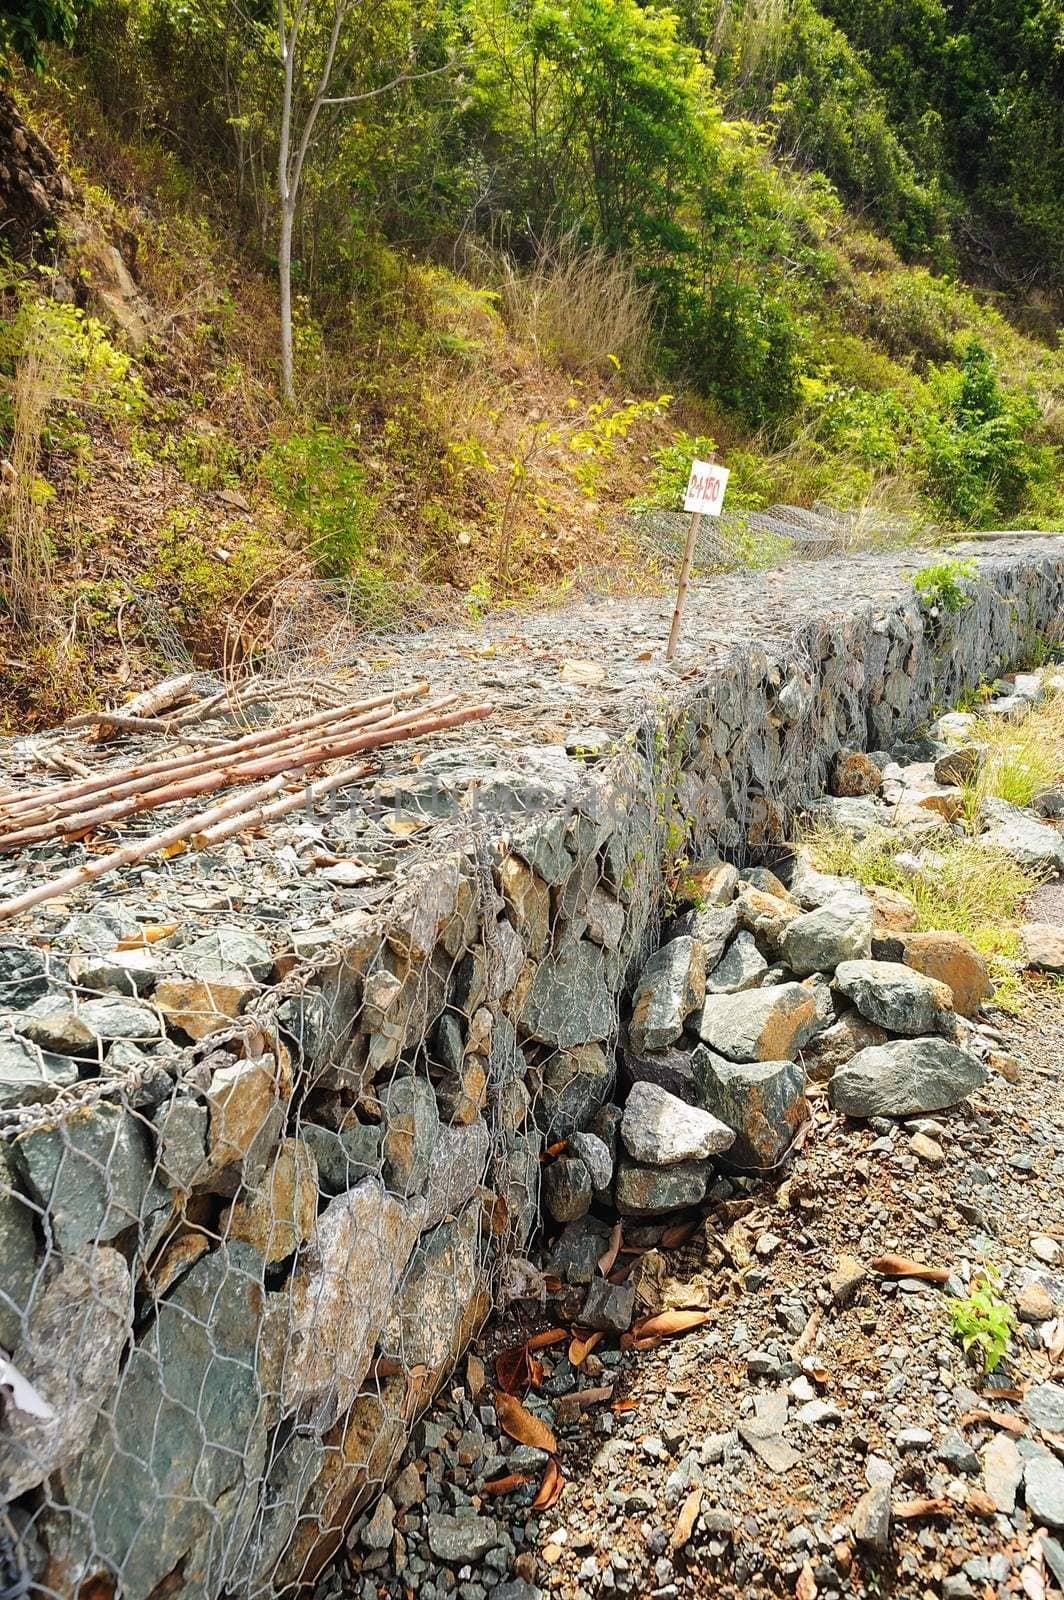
76 1330
654 1191
341 1292
578 1249
905 1078
23 975
411 1128
31 1076
344 1159
712 926
462 1540
595 1154
458 1164
567 1188
187 1409
670 1069
839 930
760 1024
228 949
896 997
125 972
18 1258
1029 842
93 1172
569 1002
608 1307
438 1287
811 888
741 967
658 1129
670 987
1043 1404
763 1102
181 1136
574 1082
1043 1488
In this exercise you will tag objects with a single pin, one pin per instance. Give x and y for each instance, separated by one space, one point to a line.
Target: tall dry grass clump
581 307
37 383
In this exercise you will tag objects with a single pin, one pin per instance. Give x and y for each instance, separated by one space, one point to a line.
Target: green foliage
672 468
315 477
89 374
983 1321
27 25
939 586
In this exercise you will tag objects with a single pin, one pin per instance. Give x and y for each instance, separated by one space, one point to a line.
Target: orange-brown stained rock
893 911
953 960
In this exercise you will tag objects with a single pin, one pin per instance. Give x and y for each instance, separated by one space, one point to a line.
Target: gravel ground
771 1455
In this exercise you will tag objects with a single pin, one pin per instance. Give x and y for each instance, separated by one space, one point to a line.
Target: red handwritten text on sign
705 488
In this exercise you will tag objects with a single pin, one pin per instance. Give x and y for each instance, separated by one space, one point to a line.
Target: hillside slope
466 435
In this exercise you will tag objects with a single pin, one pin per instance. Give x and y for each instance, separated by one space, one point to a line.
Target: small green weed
983 1322
315 478
939 588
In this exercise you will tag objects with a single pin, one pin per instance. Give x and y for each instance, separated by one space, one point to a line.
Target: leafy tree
26 25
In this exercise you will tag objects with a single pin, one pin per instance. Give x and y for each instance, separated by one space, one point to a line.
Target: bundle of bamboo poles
269 759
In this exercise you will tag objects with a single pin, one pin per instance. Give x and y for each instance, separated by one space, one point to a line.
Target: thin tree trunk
284 269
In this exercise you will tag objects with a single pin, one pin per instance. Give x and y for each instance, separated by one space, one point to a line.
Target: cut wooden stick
279 808
189 766
41 798
146 704
203 821
251 764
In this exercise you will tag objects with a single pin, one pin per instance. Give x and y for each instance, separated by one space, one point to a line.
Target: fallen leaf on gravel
150 934
685 1522
549 1336
551 1487
555 1149
569 1407
1053 1339
624 1405
677 1234
910 1510
805 1588
521 1425
902 1267
997 1419
581 1347
980 1503
476 1377
801 1345
507 1485
585 673
738 1242
1033 1583
516 1370
665 1324
606 1261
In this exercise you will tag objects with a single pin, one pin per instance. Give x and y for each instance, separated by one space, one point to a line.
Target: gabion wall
256 1198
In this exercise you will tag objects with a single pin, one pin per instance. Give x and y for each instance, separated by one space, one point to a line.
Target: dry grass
581 308
38 380
1021 760
965 887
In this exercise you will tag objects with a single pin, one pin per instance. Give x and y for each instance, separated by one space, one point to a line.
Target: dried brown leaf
911 1510
805 1588
581 1347
506 1485
997 1419
521 1425
551 1487
666 1324
685 1522
677 1233
476 1376
549 1336
151 933
513 1370
903 1267
607 1259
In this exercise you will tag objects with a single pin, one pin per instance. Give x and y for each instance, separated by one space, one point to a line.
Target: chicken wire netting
260 1183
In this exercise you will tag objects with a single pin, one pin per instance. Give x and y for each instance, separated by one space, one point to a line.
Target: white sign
705 488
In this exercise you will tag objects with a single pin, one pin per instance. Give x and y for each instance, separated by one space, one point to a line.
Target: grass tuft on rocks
961 886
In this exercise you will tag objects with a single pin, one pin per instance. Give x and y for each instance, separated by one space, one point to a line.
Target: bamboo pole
263 737
189 785
681 591
279 808
203 821
199 762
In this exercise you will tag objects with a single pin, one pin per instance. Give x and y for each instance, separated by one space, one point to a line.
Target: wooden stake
681 592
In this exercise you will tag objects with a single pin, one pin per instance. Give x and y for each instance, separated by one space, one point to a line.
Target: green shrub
314 477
